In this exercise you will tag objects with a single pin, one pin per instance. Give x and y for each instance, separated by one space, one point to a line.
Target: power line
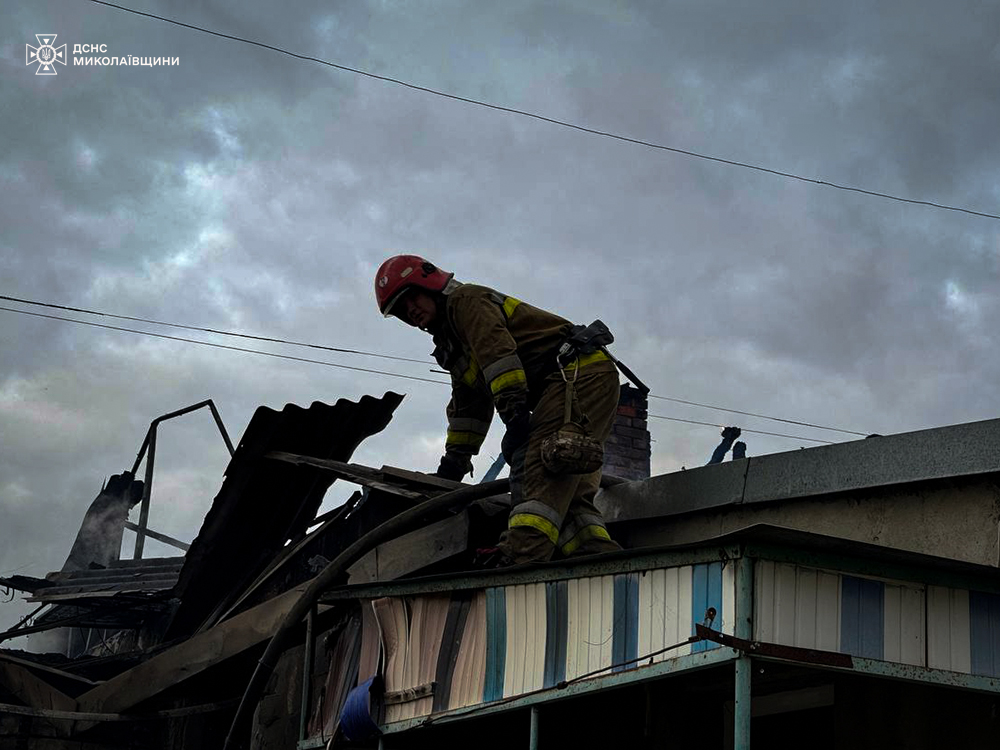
761 416
374 354
210 330
385 356
322 362
553 121
224 346
757 432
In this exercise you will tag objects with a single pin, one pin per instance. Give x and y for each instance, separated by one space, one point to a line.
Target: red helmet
402 272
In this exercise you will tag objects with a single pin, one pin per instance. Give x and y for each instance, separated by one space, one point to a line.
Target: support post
307 675
140 534
744 667
533 742
743 627
741 710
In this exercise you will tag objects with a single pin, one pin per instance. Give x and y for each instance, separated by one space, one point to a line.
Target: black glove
453 466
518 430
731 433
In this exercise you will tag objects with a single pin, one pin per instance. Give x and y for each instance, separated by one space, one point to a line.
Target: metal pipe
533 742
307 674
140 454
741 711
181 412
222 427
140 534
160 537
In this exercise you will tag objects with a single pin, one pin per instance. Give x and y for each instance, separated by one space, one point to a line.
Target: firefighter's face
419 309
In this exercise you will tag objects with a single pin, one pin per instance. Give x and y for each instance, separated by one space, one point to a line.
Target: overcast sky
250 191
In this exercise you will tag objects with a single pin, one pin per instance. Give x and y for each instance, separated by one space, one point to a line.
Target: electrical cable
761 416
742 429
552 688
224 346
553 121
210 330
345 367
388 356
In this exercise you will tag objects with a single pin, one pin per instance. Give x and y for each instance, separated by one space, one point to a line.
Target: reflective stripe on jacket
498 350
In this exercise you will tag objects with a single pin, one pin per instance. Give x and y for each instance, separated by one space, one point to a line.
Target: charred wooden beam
355 473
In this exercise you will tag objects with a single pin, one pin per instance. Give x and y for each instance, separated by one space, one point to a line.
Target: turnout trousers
556 513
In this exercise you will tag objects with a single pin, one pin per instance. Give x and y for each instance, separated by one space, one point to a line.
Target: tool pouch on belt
571 449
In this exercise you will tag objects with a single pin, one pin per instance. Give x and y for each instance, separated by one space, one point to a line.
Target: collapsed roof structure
843 595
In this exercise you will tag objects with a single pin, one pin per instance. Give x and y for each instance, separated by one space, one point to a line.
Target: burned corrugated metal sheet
124 594
263 503
121 576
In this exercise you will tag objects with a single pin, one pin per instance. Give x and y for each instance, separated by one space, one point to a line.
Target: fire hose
394 527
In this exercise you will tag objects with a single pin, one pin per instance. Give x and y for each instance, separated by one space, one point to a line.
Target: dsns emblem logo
45 55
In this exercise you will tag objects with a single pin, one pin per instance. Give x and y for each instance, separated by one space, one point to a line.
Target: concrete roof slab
940 453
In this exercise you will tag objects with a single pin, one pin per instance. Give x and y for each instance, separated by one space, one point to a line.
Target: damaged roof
120 577
263 502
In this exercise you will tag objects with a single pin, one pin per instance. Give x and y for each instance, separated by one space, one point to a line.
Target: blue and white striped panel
590 624
963 631
516 639
625 636
811 608
556 626
797 606
984 632
526 635
664 611
862 617
948 629
673 600
496 644
727 621
706 594
537 635
469 674
905 625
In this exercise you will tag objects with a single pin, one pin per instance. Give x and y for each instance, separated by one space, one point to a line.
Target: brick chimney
626 454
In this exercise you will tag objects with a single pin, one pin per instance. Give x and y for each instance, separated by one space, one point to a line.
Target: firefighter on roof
502 355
